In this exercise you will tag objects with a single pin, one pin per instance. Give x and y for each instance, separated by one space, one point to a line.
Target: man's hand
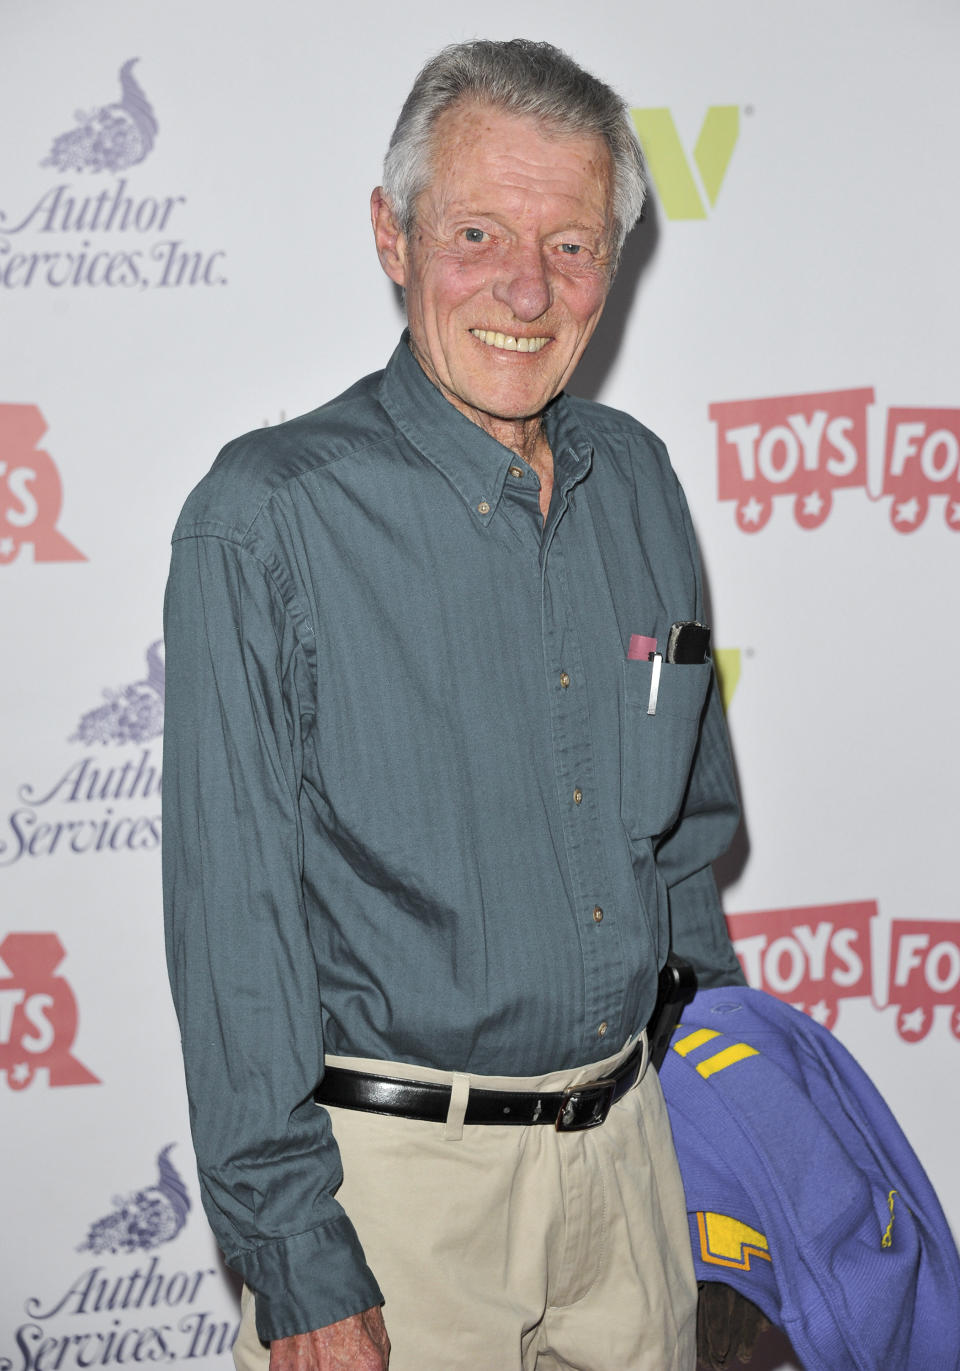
359 1343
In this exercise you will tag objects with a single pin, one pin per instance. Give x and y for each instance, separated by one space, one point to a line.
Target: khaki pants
509 1248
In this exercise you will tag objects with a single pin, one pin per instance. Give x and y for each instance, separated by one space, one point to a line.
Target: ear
391 243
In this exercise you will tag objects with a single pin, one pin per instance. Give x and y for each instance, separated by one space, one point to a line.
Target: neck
526 437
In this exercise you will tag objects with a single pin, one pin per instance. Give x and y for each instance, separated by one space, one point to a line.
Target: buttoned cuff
309 1280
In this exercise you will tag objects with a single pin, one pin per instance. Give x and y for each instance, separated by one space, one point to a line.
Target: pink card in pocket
640 647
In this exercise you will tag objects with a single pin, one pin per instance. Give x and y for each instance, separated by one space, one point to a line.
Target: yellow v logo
671 169
726 662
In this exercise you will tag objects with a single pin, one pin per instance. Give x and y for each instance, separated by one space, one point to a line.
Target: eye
474 235
571 249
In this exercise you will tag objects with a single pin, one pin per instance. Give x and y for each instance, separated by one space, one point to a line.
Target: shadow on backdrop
728 868
639 251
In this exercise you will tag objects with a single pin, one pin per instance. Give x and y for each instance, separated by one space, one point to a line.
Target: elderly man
445 772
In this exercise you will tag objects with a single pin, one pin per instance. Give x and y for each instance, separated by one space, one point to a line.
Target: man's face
508 264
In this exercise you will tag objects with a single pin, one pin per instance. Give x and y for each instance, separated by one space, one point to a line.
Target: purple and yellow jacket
804 1194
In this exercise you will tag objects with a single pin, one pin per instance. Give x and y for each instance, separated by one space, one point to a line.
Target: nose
523 285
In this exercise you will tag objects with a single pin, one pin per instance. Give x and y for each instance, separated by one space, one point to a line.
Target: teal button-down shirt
415 806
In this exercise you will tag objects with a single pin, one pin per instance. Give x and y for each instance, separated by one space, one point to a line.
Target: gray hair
519 77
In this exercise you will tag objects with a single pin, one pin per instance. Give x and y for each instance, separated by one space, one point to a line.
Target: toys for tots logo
38 1014
814 957
97 805
31 495
810 446
109 236
801 445
810 957
925 973
922 459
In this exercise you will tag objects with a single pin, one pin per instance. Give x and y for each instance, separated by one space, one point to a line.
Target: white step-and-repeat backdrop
185 255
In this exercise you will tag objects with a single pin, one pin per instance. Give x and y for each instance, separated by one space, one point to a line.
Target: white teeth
507 342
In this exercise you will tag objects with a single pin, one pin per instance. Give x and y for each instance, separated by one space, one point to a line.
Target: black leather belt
580 1106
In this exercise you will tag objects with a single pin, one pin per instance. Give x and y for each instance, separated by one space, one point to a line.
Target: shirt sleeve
241 964
708 820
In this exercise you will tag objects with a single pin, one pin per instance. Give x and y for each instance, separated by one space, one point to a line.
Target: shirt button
483 507
564 679
597 914
577 795
602 1030
516 472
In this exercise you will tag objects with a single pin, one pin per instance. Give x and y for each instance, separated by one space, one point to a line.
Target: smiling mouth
508 342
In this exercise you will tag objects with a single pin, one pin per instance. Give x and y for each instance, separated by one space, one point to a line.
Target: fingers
357 1343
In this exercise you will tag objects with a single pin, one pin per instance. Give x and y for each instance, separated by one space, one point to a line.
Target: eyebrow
583 226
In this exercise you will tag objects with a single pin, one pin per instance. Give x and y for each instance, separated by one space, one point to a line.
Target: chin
513 402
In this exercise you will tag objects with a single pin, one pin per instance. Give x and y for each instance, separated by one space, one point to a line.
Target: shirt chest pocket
657 749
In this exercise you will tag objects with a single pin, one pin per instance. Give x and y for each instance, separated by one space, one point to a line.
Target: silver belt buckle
585 1106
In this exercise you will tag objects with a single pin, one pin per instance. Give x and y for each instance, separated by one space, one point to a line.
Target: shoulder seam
203 531
218 529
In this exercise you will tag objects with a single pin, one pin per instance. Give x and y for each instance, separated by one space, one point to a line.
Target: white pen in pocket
657 660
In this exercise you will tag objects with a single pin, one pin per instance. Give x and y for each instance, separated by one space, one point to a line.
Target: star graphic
914 1022
20 1073
953 516
7 546
751 511
907 511
813 503
819 1012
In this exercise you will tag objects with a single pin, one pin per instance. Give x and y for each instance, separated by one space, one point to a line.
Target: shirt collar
475 464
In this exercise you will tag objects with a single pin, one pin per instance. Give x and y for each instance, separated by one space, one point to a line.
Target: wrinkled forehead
471 134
